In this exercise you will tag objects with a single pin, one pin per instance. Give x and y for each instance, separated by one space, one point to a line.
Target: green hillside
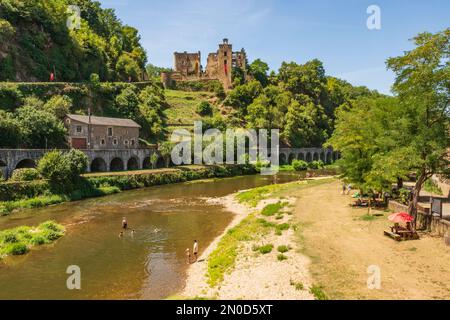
35 40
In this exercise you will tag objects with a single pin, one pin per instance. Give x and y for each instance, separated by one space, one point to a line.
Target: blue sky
280 30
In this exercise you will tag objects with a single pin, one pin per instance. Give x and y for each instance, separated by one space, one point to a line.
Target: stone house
99 133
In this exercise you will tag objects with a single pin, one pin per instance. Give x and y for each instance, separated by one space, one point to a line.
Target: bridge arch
133 163
117 165
322 156
315 156
308 157
282 159
3 163
99 165
301 156
291 158
25 163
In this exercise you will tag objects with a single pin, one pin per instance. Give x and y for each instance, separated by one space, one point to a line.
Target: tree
127 67
165 149
242 96
63 170
154 160
304 124
40 129
259 69
59 106
204 108
10 136
423 87
127 103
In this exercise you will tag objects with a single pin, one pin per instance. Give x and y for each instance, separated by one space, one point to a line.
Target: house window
225 53
132 142
79 129
102 142
110 132
126 142
115 142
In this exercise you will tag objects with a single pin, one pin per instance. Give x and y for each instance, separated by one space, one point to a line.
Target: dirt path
342 245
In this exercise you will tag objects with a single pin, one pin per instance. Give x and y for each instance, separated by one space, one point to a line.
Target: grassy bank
18 241
254 196
38 194
256 227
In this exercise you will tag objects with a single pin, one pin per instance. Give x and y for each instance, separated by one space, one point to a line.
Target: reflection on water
150 264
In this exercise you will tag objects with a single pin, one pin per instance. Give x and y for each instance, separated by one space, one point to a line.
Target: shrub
298 285
281 257
266 249
316 165
204 109
16 249
26 174
283 249
299 165
282 227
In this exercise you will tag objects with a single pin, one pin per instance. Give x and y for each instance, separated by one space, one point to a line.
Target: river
151 264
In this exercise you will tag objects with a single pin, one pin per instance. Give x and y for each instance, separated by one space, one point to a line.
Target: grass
38 202
273 209
266 249
368 217
183 105
283 249
281 257
223 258
318 293
18 241
254 196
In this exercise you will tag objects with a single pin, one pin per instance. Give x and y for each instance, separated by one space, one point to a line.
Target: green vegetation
281 257
299 165
432 187
183 106
299 100
318 293
265 249
204 109
26 174
273 209
254 196
223 258
17 241
384 140
283 249
36 41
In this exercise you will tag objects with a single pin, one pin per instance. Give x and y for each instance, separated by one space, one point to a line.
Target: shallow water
149 265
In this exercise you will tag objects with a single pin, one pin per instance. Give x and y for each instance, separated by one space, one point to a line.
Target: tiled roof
102 121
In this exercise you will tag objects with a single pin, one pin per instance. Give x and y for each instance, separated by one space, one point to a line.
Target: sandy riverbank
255 276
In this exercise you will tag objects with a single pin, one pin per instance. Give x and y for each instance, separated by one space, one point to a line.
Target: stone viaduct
287 155
99 160
137 159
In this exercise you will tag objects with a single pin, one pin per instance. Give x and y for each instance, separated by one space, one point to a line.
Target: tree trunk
412 209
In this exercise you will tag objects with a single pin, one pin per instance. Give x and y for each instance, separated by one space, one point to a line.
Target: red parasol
400 217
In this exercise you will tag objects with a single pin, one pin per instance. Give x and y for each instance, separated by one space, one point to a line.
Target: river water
151 264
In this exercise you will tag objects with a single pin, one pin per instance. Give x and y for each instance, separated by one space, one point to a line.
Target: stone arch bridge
99 160
287 155
137 159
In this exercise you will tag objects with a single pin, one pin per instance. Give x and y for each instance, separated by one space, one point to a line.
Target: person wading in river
188 256
195 251
124 223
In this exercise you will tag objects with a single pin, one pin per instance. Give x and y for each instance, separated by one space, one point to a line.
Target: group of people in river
125 227
188 251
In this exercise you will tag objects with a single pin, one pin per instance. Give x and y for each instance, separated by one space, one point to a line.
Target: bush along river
149 264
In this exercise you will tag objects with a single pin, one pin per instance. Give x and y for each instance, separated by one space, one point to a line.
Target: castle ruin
220 64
